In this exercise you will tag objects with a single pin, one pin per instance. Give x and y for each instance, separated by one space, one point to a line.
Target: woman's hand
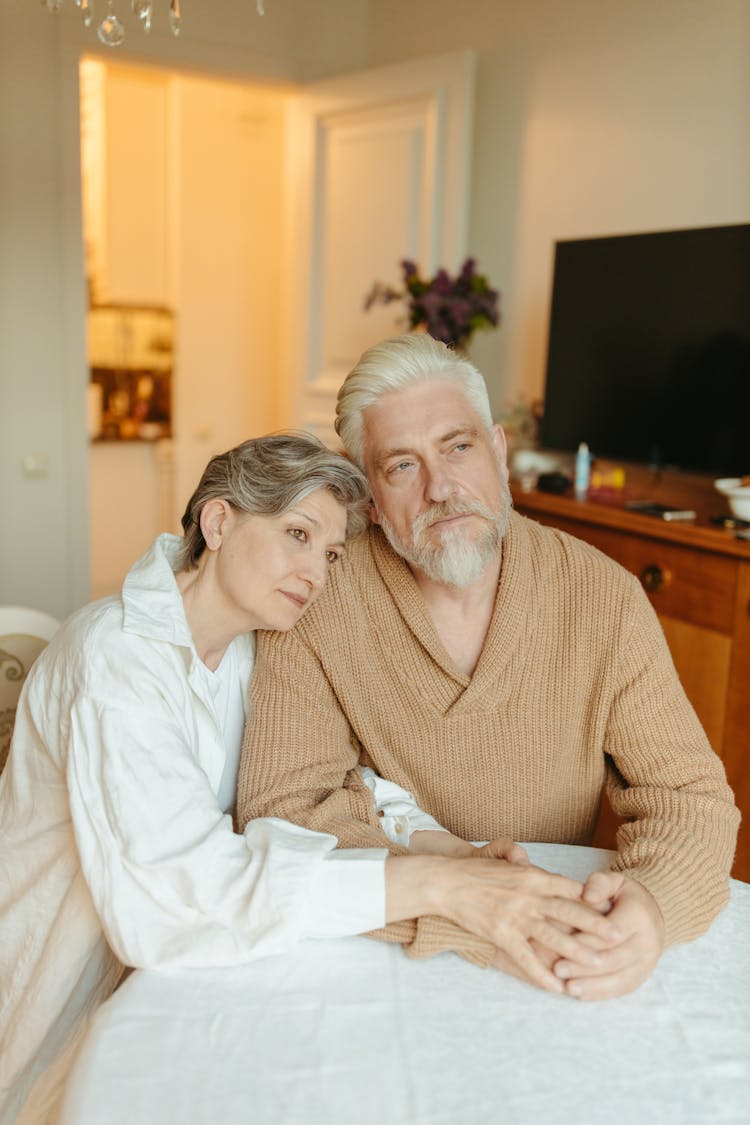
512 905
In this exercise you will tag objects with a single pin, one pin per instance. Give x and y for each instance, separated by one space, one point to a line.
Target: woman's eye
298 533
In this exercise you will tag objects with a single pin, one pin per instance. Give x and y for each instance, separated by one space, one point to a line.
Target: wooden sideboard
698 579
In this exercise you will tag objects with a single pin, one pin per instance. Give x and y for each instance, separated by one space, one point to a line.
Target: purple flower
451 309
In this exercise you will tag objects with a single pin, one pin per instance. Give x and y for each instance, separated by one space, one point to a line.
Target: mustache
444 509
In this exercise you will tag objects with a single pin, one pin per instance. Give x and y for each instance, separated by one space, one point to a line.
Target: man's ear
374 514
501 447
214 515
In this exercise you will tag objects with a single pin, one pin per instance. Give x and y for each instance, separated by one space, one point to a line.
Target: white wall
43 375
41 324
593 117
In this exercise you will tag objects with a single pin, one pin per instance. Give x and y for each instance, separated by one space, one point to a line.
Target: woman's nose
315 570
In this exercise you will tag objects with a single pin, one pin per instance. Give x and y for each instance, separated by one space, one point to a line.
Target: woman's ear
214 516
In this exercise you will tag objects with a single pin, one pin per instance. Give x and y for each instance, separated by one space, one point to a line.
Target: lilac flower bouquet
450 308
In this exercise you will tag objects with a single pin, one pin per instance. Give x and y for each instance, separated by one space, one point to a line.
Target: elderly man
501 671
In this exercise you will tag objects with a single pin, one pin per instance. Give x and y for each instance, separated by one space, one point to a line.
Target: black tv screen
649 349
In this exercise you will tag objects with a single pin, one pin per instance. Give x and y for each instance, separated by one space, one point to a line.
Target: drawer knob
654 578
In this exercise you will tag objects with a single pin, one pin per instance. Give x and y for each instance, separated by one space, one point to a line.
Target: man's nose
439 485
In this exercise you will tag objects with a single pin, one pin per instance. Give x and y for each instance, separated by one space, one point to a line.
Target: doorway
183 197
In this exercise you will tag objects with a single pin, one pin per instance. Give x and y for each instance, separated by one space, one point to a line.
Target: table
352 1031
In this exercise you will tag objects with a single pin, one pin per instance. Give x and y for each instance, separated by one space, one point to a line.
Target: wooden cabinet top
700 533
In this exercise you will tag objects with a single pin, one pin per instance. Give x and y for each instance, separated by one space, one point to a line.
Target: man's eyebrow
397 451
407 451
469 431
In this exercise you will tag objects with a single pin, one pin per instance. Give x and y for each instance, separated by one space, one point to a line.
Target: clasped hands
593 941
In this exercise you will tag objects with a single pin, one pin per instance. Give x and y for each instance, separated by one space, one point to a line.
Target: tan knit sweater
575 687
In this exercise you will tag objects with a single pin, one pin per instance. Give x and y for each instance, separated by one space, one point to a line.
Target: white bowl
727 484
738 496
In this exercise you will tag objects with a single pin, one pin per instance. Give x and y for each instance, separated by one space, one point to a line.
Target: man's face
438 479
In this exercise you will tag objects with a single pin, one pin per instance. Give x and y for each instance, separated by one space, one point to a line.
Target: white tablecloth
352 1031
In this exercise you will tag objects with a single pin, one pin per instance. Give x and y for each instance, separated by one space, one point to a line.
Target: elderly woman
117 845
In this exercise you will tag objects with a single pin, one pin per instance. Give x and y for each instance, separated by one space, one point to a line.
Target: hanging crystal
175 18
110 31
144 10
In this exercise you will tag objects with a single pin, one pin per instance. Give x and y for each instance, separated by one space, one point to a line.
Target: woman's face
269 569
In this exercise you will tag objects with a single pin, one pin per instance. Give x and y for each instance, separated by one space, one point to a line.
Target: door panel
378 165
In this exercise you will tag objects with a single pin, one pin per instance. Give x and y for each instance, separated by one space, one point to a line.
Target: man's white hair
393 365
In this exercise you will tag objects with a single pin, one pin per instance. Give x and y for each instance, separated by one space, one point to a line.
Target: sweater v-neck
512 602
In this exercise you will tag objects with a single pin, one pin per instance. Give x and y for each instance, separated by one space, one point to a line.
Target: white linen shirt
113 848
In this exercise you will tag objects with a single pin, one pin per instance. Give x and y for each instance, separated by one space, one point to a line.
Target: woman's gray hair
393 365
269 475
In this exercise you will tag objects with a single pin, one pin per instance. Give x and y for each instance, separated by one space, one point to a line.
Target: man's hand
626 965
509 904
503 848
426 842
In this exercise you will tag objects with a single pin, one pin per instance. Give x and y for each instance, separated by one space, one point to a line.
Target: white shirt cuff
348 896
399 813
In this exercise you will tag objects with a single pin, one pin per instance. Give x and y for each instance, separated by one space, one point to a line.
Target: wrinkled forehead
423 412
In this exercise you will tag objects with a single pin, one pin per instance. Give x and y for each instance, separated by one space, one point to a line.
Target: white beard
456 559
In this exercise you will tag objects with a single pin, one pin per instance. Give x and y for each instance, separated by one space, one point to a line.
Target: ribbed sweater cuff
431 934
687 899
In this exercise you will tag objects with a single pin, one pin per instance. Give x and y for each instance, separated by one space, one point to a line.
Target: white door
379 171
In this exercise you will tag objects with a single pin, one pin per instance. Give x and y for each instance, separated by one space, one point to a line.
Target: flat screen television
649 349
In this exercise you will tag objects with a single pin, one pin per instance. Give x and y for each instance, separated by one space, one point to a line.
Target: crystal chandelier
109 28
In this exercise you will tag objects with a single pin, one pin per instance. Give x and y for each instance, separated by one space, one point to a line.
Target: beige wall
592 117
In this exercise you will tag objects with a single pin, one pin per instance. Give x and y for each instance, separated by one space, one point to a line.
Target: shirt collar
152 603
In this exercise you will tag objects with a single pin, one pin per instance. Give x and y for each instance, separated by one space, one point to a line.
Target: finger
607 987
517 854
532 968
537 971
583 918
609 961
567 946
537 881
602 885
504 848
547 956
594 942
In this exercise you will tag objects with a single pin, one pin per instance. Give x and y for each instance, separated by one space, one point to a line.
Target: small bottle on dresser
582 471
